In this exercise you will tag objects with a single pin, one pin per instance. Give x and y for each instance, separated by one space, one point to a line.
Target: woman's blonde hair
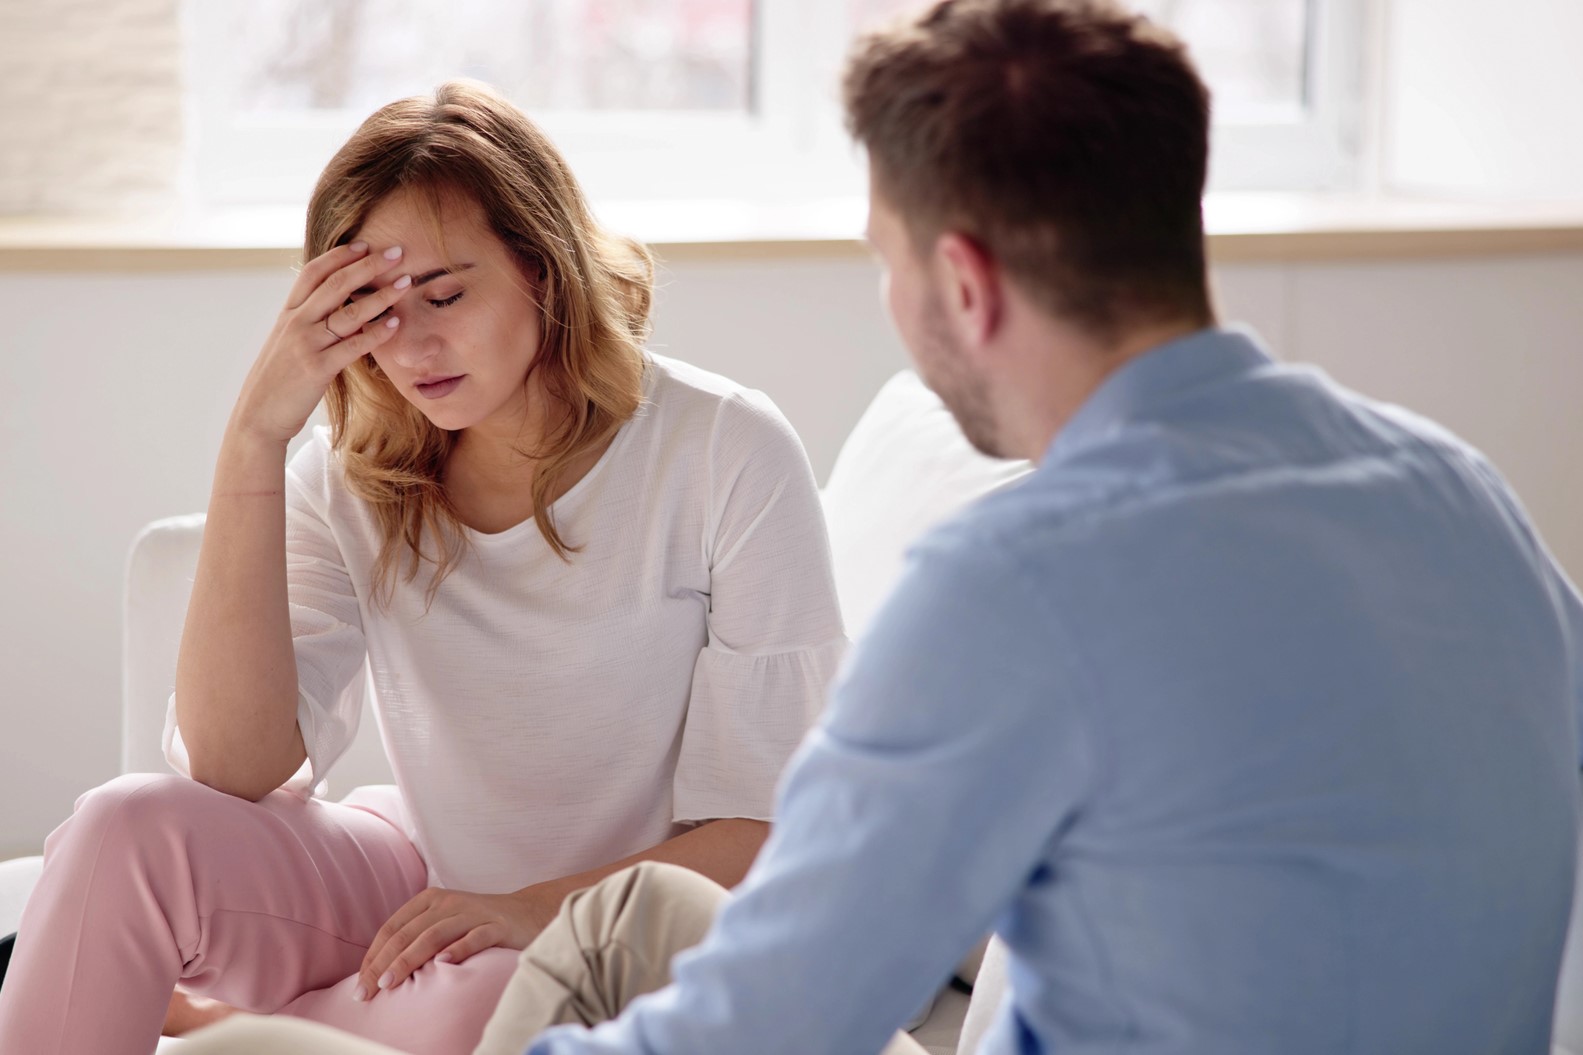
594 291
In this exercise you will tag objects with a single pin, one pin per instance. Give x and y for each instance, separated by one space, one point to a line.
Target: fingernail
444 957
392 322
361 994
358 247
403 282
387 979
394 252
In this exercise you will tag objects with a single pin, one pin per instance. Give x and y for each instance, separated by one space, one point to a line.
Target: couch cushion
159 574
17 878
905 468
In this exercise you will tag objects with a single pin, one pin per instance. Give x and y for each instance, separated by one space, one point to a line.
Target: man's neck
1074 366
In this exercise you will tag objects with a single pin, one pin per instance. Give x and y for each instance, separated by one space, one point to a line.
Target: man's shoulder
1053 501
1031 523
1404 427
1187 465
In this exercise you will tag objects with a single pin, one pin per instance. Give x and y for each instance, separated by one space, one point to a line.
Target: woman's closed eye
443 302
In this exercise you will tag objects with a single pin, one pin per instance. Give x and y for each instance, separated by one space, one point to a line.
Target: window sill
1243 228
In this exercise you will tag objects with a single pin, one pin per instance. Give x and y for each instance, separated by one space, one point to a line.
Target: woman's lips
436 389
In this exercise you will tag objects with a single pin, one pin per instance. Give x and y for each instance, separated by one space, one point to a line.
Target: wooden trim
1242 232
759 249
1385 244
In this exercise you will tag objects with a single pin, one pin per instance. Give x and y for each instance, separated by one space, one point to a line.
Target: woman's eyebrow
418 280
430 276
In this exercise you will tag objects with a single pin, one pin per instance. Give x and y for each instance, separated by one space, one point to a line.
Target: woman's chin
447 418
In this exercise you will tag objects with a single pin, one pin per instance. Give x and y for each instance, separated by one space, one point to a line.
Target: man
1247 720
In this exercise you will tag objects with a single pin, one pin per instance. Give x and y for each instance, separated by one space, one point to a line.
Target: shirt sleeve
775 637
1562 590
326 627
954 752
1572 613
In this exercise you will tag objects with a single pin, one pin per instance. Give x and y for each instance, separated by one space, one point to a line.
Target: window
1286 78
627 88
571 55
658 99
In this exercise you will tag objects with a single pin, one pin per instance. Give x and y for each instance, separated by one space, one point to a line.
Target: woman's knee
136 809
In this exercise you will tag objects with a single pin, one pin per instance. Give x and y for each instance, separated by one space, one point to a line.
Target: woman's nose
410 346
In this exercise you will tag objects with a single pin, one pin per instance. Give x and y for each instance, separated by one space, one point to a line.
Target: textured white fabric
904 468
544 717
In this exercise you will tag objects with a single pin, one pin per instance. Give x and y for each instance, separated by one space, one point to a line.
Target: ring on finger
330 331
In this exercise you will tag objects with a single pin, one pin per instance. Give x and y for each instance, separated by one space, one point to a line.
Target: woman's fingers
315 271
420 951
407 949
352 316
396 936
337 287
379 950
305 350
448 925
345 352
484 936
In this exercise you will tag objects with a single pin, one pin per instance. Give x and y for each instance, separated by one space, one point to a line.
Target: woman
591 587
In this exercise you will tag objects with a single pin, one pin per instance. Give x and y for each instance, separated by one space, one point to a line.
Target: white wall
1481 99
91 105
114 389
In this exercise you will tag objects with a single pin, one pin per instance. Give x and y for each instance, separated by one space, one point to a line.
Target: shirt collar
1207 355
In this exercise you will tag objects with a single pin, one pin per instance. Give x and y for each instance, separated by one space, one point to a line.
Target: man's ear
971 288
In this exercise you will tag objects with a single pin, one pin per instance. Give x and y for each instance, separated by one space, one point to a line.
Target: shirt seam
839 640
1101 775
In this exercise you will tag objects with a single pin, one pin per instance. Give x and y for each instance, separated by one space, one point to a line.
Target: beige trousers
609 945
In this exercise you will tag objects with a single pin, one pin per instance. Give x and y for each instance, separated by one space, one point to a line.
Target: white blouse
545 717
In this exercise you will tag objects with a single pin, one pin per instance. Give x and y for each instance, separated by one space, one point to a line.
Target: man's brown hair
1070 138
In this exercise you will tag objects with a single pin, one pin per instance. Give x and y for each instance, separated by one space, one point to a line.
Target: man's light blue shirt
1248 721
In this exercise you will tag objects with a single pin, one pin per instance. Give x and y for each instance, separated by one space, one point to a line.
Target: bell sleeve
775 637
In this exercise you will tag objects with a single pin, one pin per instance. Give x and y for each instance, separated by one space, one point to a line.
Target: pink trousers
268 906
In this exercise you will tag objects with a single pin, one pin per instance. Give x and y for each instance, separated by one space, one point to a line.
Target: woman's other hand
331 318
451 925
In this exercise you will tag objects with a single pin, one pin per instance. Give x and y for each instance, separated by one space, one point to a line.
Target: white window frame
791 149
1314 148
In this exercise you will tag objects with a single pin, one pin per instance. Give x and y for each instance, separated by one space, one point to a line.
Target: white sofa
904 467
